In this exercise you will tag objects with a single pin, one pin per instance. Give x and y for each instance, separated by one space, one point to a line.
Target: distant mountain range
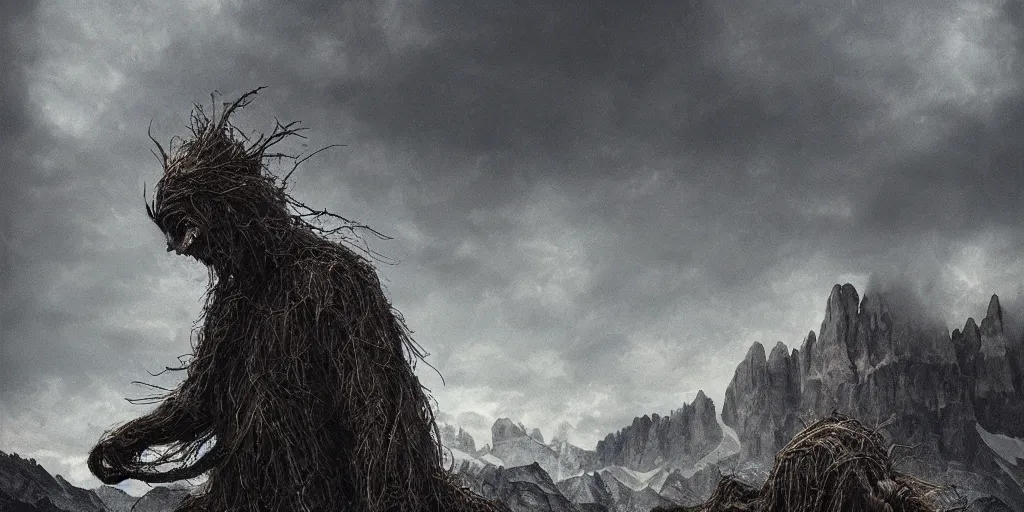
951 404
26 487
655 461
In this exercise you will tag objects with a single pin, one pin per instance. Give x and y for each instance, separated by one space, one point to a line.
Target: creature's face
226 217
214 201
177 217
181 235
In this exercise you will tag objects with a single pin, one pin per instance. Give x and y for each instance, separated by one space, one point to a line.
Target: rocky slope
588 489
523 488
114 499
874 360
9 503
26 486
25 481
159 499
532 486
694 489
626 499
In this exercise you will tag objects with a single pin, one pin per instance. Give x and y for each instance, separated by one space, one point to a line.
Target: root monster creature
302 373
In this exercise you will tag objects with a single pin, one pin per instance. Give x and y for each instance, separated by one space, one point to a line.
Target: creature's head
215 201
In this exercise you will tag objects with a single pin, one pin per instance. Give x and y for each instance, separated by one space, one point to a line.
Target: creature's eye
173 225
167 223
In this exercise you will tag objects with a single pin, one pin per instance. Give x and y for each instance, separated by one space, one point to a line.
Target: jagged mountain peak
701 406
811 336
515 445
779 357
588 488
992 324
504 429
842 301
780 347
702 401
970 325
756 353
537 435
457 438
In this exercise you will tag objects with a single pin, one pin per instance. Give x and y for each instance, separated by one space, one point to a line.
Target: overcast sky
596 208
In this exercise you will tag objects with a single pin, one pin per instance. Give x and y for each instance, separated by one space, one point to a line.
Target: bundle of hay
302 374
835 465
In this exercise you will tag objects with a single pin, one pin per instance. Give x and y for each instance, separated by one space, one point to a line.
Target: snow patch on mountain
492 460
730 445
1011 449
636 480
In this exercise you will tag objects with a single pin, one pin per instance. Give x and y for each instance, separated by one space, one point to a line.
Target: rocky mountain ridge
930 391
456 438
950 402
625 473
514 446
27 486
25 481
992 361
654 445
675 441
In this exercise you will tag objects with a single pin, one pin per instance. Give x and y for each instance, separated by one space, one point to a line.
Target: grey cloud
16 128
527 79
474 420
806 123
15 117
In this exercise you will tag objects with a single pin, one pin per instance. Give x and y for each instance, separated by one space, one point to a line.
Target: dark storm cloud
16 128
722 141
77 264
530 78
764 115
14 115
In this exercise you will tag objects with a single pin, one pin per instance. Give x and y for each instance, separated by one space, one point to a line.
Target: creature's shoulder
323 282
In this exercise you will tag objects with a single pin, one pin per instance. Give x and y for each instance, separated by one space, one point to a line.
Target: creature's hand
109 461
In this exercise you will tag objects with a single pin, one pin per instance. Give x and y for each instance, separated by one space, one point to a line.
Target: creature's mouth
186 241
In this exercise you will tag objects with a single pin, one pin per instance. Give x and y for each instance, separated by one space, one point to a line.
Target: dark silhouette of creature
302 372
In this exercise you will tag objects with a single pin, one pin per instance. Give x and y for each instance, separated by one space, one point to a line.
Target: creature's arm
180 418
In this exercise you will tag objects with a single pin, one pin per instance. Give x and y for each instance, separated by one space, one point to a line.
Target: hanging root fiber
835 465
302 374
